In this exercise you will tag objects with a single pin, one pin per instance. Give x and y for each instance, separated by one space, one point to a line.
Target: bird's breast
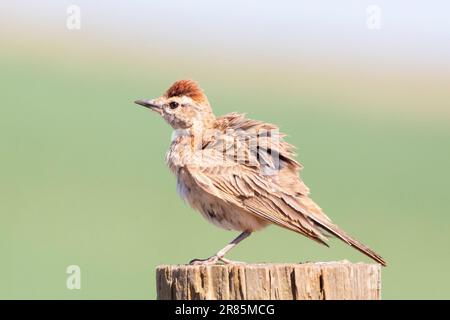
214 209
180 153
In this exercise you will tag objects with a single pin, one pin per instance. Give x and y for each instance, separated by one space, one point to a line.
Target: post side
307 281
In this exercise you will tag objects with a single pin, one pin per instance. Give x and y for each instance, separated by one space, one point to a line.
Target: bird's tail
337 232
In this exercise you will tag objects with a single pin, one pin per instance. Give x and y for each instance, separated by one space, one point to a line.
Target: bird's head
183 106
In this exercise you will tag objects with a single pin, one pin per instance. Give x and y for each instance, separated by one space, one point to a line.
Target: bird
239 173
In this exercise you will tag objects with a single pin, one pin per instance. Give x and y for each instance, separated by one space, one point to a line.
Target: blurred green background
83 179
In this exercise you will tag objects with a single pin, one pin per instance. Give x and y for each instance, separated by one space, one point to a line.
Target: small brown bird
239 173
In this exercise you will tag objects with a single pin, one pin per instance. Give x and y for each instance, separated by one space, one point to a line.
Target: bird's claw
208 261
228 261
213 260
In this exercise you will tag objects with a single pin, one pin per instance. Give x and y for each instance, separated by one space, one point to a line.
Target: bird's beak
151 104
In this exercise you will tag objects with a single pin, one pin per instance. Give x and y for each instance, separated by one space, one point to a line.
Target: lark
240 174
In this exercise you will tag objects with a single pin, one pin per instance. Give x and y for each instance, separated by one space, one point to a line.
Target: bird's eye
173 105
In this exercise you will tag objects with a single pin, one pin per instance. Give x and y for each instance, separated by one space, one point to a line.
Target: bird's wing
266 145
247 184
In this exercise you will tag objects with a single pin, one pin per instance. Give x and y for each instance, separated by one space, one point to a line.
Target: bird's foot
201 262
228 261
213 260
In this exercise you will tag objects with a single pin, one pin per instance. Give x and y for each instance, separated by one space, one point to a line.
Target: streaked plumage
239 173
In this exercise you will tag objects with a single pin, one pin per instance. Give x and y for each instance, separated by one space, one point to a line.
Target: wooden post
306 281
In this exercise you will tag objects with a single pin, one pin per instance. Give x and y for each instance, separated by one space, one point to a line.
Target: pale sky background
413 33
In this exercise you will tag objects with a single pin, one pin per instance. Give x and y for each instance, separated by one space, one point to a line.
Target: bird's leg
220 255
231 245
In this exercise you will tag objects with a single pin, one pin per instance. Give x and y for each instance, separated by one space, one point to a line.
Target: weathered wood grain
306 281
